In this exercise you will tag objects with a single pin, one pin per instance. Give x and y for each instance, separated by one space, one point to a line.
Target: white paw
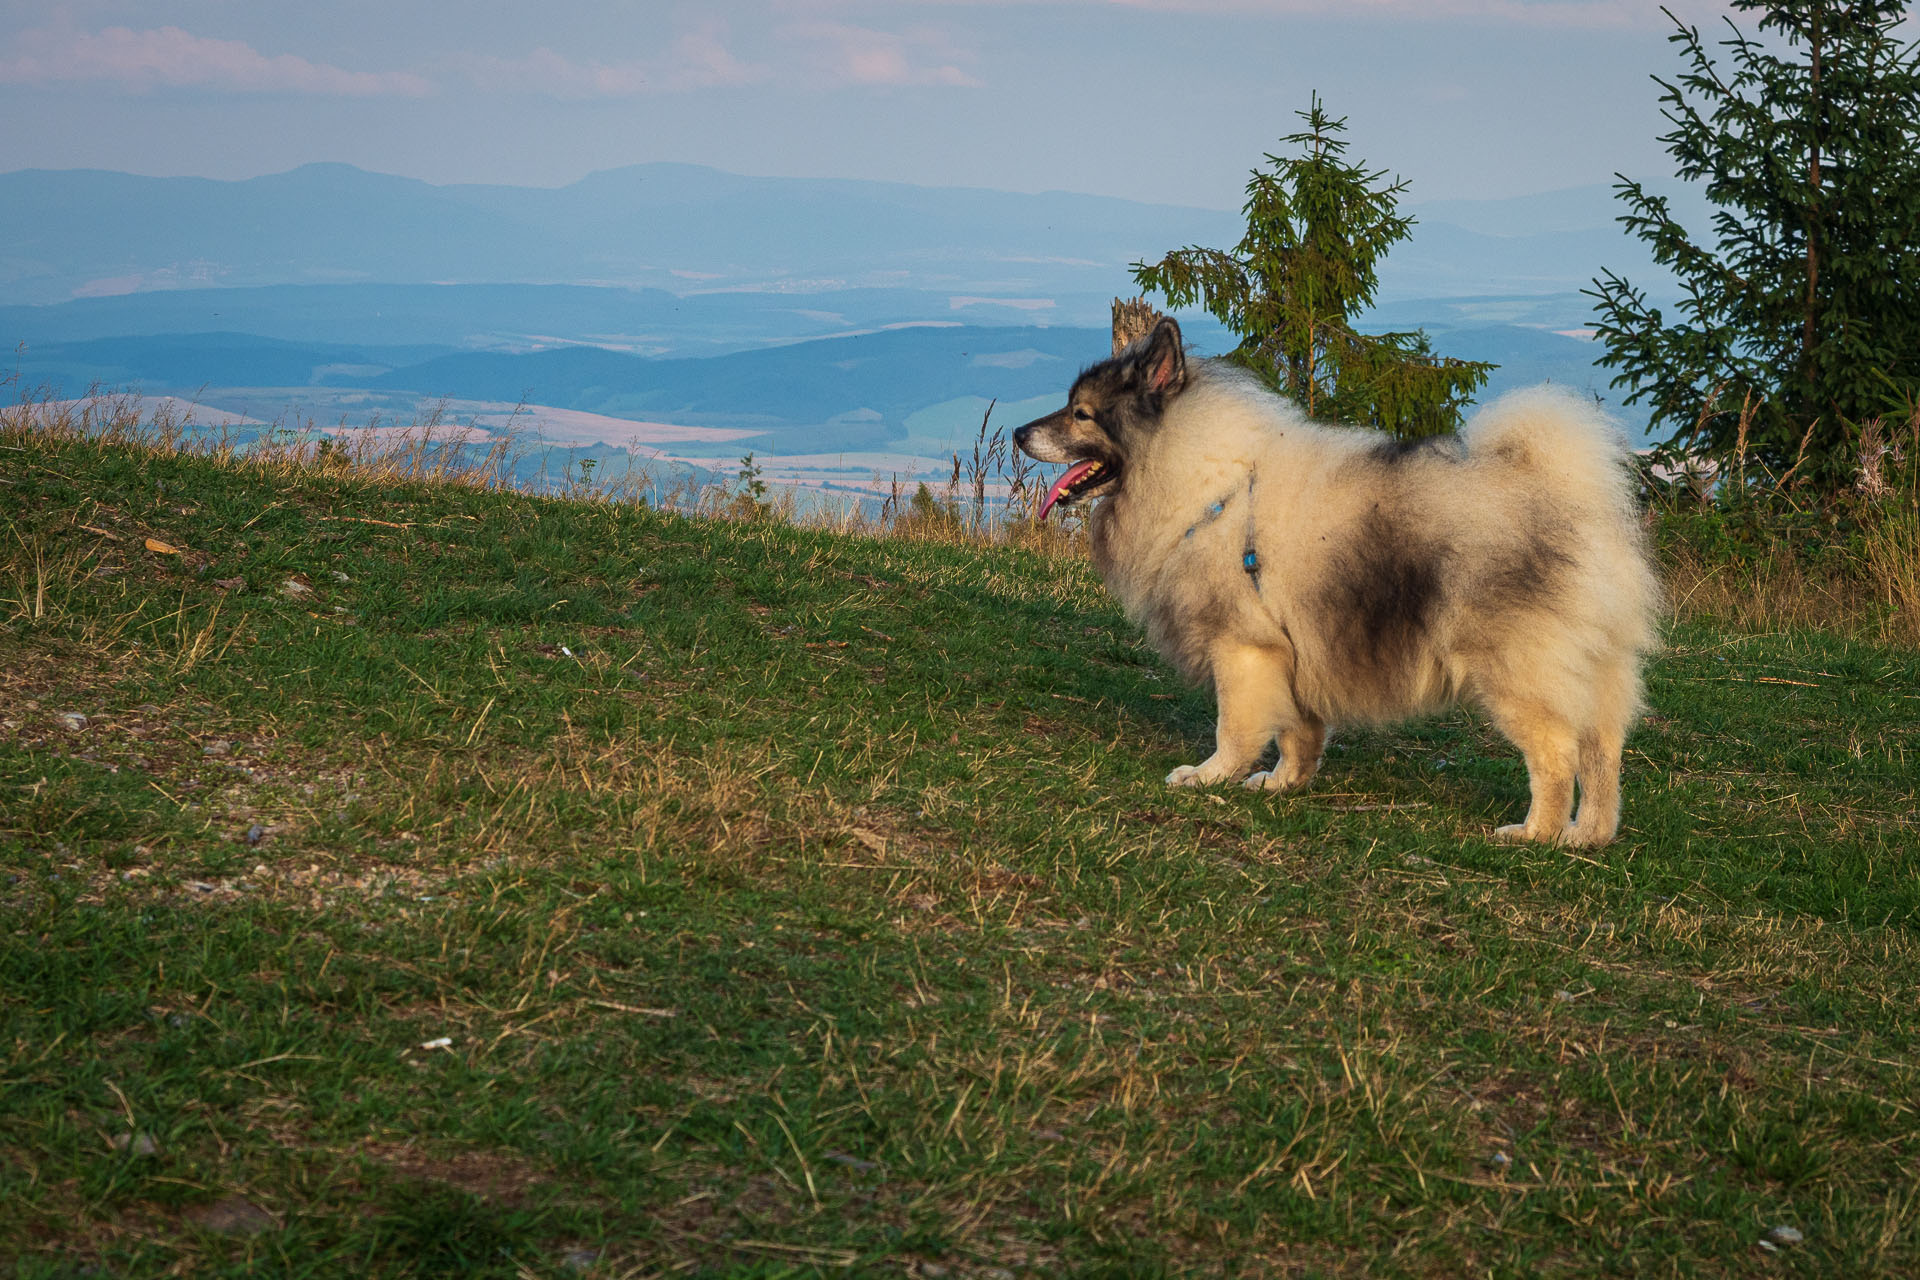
1517 833
1260 780
1187 775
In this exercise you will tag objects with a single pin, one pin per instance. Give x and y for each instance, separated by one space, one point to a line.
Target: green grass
792 903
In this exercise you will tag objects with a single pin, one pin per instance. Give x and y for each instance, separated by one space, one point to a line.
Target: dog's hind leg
1600 747
1255 701
1599 769
1552 751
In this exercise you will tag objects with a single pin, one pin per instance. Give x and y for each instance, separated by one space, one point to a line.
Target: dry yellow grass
1872 594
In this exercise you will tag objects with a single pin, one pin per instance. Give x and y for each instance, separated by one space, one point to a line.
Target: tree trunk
1133 319
1814 118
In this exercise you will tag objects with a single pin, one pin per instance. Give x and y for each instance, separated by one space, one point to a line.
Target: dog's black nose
1020 435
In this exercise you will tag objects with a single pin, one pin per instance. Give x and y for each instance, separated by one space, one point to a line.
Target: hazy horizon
1159 101
1408 200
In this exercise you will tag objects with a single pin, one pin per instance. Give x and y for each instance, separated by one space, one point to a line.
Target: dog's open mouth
1076 480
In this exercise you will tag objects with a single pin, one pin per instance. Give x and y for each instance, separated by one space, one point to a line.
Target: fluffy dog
1318 575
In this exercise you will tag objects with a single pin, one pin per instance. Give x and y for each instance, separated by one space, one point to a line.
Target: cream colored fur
1507 569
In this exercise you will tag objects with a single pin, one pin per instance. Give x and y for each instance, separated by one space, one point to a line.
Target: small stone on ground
234 1216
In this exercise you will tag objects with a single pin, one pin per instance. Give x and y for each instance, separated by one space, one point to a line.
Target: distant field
566 428
178 409
925 454
405 880
544 436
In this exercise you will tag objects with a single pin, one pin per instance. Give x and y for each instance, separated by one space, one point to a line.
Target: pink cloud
698 59
850 55
702 60
168 57
1590 14
811 55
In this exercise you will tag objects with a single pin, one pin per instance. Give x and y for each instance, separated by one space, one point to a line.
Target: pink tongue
1067 479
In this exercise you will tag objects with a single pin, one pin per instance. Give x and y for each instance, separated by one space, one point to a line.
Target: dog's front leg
1300 747
1250 686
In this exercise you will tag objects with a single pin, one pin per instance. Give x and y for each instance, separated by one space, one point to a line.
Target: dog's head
1112 407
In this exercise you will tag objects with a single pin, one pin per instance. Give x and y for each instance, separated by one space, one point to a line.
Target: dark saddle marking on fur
1532 574
1384 593
1396 451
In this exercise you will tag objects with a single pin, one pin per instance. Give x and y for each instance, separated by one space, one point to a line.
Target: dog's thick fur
1319 575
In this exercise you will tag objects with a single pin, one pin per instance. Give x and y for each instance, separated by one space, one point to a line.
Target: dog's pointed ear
1163 360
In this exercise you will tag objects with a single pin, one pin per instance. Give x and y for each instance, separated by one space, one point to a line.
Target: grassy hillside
400 879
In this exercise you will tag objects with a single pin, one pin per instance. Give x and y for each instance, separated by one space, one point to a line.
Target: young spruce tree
1800 320
1317 226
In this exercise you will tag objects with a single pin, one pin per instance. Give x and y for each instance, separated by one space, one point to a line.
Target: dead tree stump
1133 318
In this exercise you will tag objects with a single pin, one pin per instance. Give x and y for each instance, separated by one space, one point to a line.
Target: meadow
403 876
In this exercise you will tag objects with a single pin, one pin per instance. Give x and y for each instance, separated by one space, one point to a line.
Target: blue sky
1163 100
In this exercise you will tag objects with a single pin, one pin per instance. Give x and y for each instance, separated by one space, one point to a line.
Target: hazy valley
673 318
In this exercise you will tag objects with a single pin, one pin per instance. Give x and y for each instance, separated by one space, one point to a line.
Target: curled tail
1573 462
1570 447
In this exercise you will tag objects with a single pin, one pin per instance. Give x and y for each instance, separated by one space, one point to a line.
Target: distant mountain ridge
687 229
71 233
832 310
520 317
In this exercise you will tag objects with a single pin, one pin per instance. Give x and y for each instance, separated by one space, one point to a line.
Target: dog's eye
1082 415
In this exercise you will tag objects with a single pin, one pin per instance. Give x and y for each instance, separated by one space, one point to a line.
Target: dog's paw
1187 775
1517 833
1272 780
